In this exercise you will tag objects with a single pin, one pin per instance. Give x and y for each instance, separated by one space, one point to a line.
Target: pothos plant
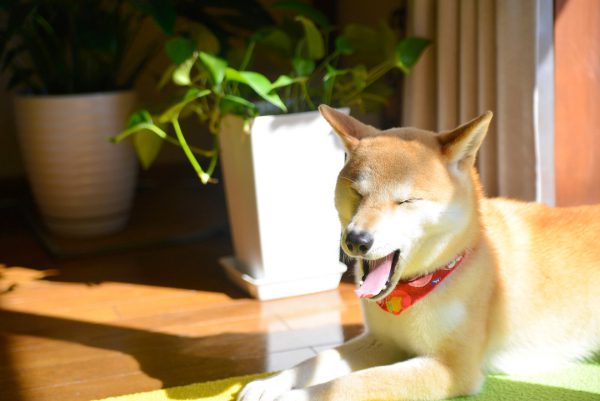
321 64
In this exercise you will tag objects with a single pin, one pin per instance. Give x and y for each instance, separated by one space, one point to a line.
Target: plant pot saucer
266 289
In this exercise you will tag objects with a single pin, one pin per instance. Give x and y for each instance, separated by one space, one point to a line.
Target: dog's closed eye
405 201
356 193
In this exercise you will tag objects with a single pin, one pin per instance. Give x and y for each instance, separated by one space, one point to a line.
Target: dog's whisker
348 179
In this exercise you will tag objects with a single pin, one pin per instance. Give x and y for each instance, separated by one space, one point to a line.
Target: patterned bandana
407 293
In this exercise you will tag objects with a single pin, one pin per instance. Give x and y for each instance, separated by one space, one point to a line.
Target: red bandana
407 293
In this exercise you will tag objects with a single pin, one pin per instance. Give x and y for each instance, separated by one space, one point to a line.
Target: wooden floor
88 327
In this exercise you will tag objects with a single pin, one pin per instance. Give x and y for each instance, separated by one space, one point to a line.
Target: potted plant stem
279 169
72 68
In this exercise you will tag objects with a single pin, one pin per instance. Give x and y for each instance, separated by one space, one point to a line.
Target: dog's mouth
377 275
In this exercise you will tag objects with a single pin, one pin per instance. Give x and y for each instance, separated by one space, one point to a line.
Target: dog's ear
461 144
349 129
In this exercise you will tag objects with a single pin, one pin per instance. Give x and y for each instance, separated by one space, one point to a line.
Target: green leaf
180 49
195 93
139 117
259 84
343 45
371 46
181 74
172 113
166 76
205 39
408 52
138 128
215 66
359 76
231 104
148 137
315 47
147 146
303 66
162 11
273 38
305 10
283 80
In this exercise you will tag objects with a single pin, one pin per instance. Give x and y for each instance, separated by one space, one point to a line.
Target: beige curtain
483 58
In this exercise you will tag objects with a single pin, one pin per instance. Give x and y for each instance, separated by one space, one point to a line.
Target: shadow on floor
174 360
192 265
10 388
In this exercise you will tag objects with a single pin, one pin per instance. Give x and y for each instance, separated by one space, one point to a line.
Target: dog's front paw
267 389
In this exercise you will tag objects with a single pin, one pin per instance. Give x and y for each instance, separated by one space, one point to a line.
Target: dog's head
405 196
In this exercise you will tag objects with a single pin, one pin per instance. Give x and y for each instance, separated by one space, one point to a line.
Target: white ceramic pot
82 183
280 184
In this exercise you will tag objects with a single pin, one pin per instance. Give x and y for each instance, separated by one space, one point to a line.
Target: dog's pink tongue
376 279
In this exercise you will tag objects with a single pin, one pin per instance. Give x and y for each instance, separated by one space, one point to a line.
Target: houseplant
72 67
280 178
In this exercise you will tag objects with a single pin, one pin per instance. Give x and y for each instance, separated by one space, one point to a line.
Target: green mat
577 383
580 382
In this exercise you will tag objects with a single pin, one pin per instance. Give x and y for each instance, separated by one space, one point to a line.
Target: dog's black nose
359 241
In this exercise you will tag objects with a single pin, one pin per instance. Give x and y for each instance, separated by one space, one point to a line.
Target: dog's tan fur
524 299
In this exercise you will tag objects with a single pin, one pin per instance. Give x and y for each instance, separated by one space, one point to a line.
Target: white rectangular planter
280 183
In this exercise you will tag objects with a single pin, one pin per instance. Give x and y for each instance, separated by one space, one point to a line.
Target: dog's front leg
360 353
422 378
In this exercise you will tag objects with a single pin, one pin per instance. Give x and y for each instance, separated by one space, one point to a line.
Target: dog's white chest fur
433 324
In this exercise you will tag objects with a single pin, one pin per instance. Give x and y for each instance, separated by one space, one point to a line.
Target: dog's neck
407 293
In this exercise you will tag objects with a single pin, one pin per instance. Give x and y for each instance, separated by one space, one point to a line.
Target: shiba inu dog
454 285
